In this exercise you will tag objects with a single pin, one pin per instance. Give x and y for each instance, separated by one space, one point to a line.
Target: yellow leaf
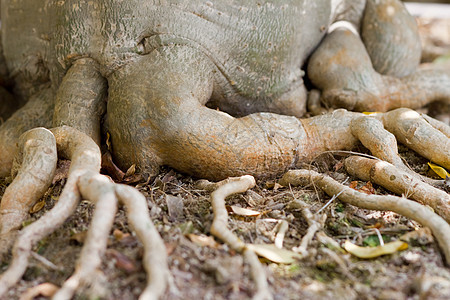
272 253
441 172
243 211
203 240
371 252
37 207
370 112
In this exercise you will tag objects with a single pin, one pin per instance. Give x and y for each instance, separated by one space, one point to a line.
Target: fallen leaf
203 240
125 239
441 172
421 236
338 166
370 112
277 186
274 254
131 170
245 212
371 252
175 206
122 261
169 177
79 237
368 188
62 170
118 234
37 207
110 167
133 179
44 289
108 141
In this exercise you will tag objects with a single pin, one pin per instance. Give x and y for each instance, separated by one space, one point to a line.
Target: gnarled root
399 182
342 69
428 138
36 164
402 206
35 113
84 180
219 229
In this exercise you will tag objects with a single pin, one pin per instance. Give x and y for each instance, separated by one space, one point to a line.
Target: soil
202 268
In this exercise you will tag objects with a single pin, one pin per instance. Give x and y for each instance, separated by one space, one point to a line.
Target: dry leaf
110 167
44 289
353 185
108 141
274 254
203 240
79 237
125 239
37 207
422 236
175 206
370 112
131 170
245 212
371 252
441 172
122 261
338 166
368 188
62 170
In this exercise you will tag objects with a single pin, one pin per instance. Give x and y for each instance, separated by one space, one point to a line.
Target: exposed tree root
35 113
99 190
399 182
343 70
155 254
84 180
219 229
36 164
407 208
419 135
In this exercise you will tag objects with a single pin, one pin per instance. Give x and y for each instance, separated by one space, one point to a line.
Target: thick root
85 181
99 190
85 157
342 69
399 182
219 229
35 113
36 163
402 206
419 135
391 37
155 254
82 81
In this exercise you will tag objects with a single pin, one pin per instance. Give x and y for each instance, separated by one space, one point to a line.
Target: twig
402 206
44 261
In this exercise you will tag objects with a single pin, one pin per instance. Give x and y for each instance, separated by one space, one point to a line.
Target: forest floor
204 268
